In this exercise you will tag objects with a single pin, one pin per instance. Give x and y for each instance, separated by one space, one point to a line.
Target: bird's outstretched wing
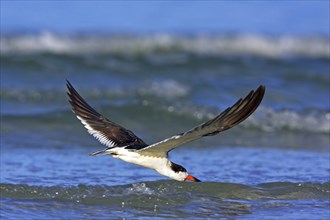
104 130
232 116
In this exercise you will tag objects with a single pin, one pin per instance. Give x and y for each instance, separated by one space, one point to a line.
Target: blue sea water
274 163
160 78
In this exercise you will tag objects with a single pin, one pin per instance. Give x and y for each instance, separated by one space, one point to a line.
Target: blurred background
160 68
292 17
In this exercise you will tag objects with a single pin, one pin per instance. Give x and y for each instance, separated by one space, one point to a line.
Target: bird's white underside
160 164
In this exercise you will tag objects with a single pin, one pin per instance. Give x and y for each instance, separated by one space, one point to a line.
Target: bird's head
181 173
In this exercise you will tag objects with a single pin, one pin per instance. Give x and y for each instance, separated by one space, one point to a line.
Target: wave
265 119
164 199
167 191
240 44
274 120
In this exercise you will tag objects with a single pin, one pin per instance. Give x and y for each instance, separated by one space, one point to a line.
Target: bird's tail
97 153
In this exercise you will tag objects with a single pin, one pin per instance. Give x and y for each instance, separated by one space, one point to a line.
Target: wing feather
230 117
104 130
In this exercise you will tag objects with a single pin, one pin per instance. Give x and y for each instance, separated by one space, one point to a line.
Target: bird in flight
124 144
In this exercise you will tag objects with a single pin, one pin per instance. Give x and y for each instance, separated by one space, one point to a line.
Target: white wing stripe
102 138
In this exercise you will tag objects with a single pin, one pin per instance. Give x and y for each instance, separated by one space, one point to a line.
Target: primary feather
104 130
232 116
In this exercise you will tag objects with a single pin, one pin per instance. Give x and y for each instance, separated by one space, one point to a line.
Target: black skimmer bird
125 145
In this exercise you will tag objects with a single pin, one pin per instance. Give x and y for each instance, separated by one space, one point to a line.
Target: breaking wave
166 192
269 46
161 199
142 101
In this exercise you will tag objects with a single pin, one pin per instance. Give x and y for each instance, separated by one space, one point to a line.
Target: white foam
140 188
201 44
272 120
166 89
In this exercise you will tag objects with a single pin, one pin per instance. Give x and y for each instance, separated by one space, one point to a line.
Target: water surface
273 165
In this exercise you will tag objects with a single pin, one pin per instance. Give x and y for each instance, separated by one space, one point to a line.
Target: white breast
136 158
160 164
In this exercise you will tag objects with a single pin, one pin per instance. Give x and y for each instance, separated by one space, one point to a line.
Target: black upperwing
232 116
104 130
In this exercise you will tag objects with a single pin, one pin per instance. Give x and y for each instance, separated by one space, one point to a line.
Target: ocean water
275 165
